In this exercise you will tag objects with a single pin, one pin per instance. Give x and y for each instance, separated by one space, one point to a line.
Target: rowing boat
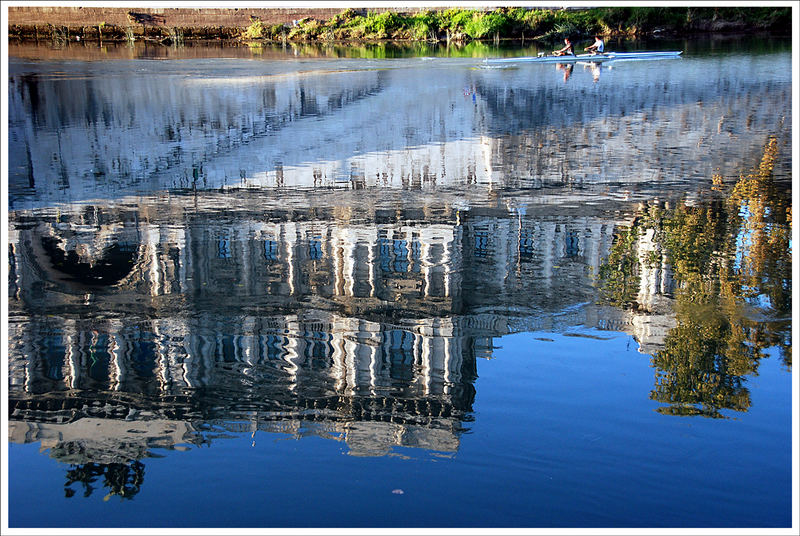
608 56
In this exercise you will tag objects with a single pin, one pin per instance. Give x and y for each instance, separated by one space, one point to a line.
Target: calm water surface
282 288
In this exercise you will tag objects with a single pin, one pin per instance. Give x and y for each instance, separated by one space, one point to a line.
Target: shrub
311 28
613 18
563 29
650 18
276 30
345 17
425 25
256 30
382 25
483 24
455 19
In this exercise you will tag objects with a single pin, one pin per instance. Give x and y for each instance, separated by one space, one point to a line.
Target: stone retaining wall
158 23
77 17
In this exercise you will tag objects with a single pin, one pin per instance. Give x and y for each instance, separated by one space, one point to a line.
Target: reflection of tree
619 274
764 259
731 262
120 478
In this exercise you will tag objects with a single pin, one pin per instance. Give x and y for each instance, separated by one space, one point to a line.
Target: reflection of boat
608 56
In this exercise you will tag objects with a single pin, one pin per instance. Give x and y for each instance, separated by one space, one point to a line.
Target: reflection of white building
348 272
302 309
322 128
287 374
103 440
285 317
96 440
392 125
166 252
342 312
656 285
655 272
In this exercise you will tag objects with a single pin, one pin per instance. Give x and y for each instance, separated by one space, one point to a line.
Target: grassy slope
456 25
541 24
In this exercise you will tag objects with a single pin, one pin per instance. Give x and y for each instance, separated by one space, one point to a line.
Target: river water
379 287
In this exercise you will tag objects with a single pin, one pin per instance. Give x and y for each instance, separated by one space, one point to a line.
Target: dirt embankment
117 23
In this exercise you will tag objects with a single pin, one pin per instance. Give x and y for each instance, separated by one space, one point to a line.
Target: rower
597 47
567 68
568 50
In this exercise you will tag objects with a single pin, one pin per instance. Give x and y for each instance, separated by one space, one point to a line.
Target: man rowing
568 50
597 47
567 68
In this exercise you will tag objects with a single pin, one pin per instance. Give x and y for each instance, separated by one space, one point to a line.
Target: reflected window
401 355
526 244
482 243
270 250
54 358
224 248
572 245
314 250
318 349
385 254
227 349
416 255
142 357
400 250
321 351
99 359
274 346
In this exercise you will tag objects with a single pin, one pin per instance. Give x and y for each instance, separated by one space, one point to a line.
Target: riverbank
174 25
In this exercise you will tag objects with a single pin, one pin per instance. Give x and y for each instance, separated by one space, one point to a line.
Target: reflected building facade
319 324
323 253
340 125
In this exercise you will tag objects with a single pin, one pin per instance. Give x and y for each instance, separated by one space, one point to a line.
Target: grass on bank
452 25
463 25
